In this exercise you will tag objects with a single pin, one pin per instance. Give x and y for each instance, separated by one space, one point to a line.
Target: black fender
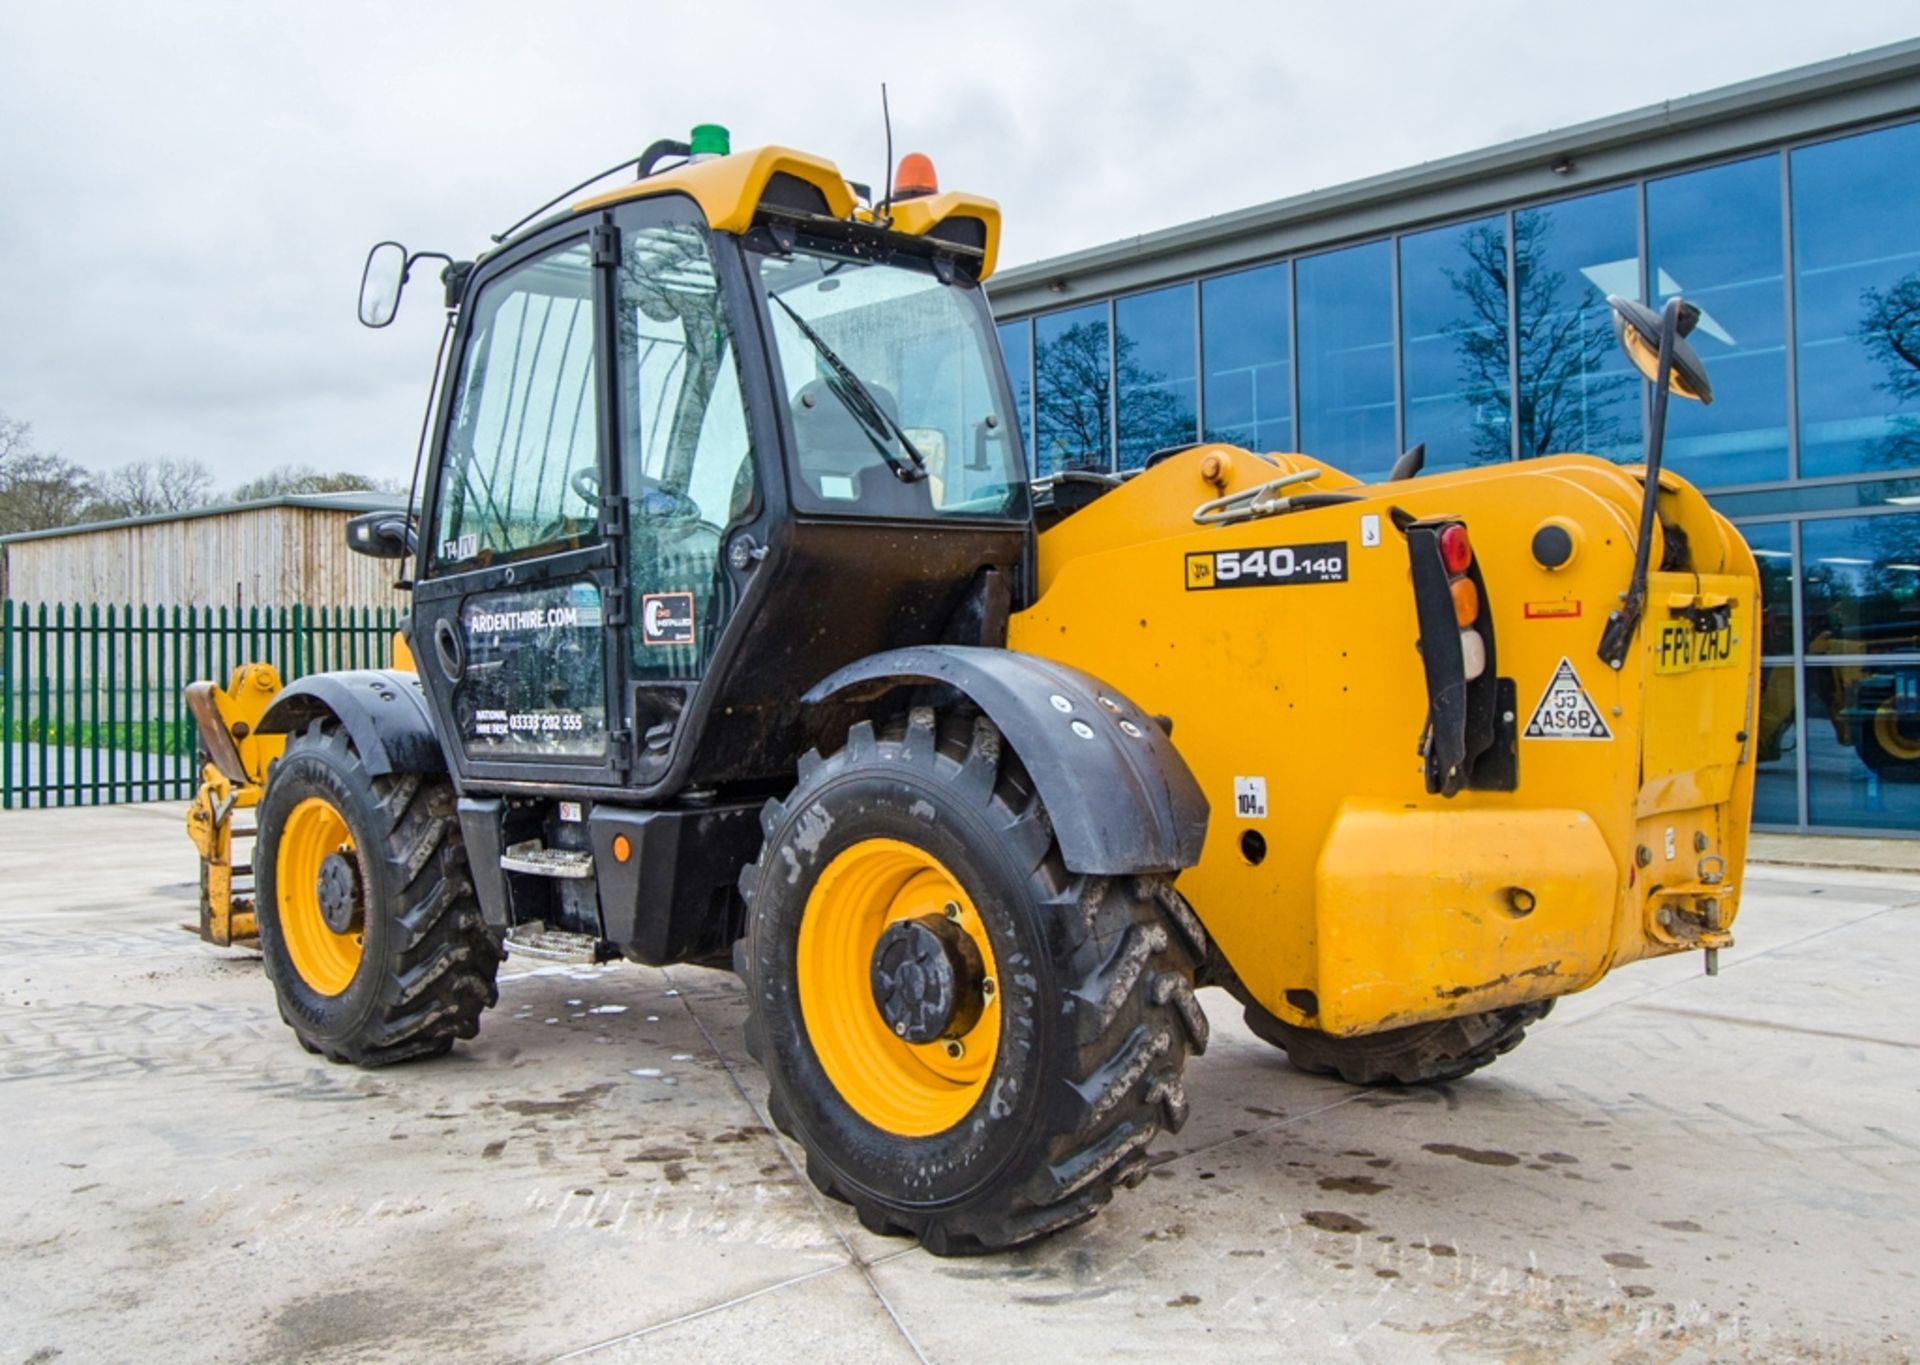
383 711
1120 797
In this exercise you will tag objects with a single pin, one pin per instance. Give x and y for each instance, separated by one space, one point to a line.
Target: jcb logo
1199 571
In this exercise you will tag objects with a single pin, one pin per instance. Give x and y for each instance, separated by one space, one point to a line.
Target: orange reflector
1456 551
1466 601
915 177
622 848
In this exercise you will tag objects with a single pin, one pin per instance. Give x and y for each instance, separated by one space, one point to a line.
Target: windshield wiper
852 391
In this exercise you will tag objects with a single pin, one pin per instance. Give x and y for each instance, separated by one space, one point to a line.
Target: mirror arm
406 271
454 278
1623 621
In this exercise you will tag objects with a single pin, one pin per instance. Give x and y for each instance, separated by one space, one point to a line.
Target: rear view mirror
381 535
1639 329
380 284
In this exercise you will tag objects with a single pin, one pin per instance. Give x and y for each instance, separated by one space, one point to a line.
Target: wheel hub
926 977
338 890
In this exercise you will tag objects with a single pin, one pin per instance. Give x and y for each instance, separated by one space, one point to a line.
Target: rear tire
415 966
1096 1011
1420 1054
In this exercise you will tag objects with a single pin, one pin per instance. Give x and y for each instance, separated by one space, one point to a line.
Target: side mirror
1656 343
1639 329
382 535
381 282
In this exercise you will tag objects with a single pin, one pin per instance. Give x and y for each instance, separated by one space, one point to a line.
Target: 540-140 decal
1269 566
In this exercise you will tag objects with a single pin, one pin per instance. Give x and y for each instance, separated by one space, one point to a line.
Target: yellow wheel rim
1886 729
903 1088
325 960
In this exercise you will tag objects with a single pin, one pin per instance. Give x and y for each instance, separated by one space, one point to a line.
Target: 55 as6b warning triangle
1566 711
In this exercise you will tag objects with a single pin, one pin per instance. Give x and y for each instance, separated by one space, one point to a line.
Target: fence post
8 680
45 675
170 696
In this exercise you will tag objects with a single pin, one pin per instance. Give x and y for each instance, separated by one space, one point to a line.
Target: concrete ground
1670 1168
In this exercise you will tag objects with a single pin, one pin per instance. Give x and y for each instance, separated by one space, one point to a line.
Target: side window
685 447
521 466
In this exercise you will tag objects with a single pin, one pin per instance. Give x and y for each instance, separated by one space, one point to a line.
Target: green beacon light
709 140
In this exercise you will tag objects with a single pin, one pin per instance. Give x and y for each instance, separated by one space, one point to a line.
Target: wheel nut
953 910
987 987
955 1049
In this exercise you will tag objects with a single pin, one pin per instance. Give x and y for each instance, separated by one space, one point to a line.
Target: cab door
518 599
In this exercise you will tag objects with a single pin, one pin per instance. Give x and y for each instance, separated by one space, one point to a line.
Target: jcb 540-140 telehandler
743 637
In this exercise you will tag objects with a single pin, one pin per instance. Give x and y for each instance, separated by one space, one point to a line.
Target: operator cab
702 441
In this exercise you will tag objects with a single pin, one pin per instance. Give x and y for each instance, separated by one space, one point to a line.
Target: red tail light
1456 551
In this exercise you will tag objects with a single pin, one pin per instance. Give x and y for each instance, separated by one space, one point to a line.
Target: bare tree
291 479
144 488
1073 387
1565 403
1890 328
38 489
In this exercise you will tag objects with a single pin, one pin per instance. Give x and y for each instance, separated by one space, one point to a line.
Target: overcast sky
187 190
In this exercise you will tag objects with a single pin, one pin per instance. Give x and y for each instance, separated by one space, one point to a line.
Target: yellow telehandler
744 638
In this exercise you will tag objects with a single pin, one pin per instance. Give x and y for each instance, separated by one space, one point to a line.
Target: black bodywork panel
846 591
672 899
1120 797
675 898
384 713
1471 739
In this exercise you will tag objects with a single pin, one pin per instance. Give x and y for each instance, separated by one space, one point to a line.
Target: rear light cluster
1456 556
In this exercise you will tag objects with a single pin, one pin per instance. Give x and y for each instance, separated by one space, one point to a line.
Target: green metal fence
91 710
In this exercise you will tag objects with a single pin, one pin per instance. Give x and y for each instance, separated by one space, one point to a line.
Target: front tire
369 926
1419 1054
1023 1112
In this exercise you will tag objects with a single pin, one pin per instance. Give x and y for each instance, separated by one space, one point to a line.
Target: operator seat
836 459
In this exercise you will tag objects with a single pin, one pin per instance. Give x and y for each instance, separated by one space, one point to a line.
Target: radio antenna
886 173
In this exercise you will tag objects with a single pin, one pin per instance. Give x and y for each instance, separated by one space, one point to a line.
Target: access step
535 858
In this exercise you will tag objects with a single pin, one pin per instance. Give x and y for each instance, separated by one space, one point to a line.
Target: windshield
897 407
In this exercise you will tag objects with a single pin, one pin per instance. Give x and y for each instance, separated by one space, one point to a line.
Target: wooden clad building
276 552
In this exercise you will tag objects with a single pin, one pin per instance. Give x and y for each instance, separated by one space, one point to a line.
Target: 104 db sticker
1268 567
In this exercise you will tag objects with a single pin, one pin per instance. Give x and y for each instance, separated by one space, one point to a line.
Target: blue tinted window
1243 320
1862 736
1861 588
1016 344
1454 362
1346 358
1856 280
1772 546
1577 391
1714 237
1776 795
1153 361
1819 497
1071 390
1776 798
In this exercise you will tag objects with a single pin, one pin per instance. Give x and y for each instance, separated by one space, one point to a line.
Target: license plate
1684 646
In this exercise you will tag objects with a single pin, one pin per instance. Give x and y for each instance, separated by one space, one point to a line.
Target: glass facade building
1483 332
